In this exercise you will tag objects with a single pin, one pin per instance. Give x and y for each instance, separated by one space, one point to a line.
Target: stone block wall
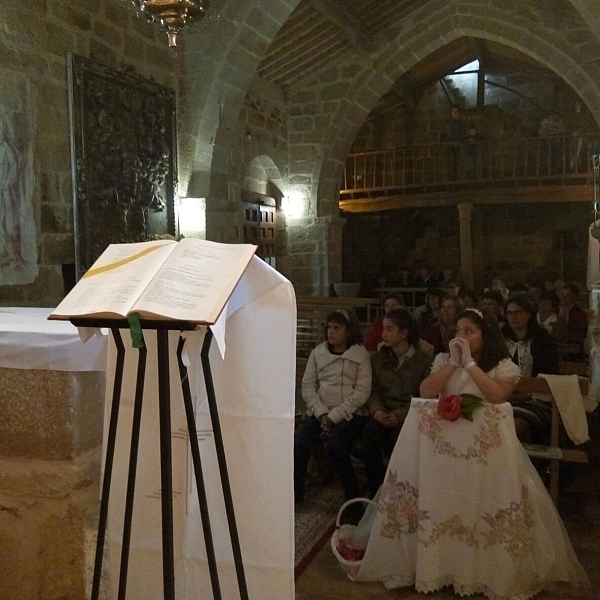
35 38
315 248
515 104
50 453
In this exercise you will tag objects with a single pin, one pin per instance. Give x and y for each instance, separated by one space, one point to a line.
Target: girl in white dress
461 504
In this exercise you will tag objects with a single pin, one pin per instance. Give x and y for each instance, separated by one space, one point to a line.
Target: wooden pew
309 331
331 303
538 385
410 295
312 312
575 367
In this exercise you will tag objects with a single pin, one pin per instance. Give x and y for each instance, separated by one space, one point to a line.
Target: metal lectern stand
164 397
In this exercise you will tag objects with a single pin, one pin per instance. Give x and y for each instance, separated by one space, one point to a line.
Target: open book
190 280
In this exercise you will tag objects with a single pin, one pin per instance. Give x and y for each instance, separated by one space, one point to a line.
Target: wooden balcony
494 171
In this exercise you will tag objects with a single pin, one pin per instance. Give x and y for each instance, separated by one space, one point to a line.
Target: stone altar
51 419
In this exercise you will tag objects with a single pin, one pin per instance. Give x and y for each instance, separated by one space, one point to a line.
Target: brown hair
347 318
494 347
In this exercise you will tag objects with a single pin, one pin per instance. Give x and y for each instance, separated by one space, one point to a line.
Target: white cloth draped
462 505
29 341
254 386
593 262
567 394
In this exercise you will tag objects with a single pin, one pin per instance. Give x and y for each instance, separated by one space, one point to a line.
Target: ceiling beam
360 41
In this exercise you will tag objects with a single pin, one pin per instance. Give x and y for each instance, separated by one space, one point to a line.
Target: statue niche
124 167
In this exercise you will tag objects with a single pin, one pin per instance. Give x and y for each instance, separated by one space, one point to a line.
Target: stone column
466 245
314 254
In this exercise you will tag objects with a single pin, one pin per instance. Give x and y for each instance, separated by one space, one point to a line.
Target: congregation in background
358 390
373 403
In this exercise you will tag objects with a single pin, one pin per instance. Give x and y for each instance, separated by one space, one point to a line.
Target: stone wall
513 112
35 38
50 452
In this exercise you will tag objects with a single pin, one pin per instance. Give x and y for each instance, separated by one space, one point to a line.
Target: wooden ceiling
320 32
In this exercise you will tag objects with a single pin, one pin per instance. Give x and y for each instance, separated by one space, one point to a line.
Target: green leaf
470 403
469 399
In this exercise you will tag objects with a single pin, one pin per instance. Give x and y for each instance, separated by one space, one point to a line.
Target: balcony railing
427 167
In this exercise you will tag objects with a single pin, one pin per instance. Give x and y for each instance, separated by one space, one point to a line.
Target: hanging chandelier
173 14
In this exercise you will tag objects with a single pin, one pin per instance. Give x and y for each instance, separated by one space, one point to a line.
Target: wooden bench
309 331
574 367
328 304
411 295
572 359
312 313
538 385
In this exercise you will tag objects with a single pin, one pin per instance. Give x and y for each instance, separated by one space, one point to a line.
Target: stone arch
230 54
264 177
398 56
590 12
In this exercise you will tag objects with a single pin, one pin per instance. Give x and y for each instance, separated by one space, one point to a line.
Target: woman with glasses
534 350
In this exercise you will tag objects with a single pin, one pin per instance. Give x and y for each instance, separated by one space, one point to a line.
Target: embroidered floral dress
462 505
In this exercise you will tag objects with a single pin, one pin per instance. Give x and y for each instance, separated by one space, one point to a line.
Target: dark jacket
543 351
393 386
455 130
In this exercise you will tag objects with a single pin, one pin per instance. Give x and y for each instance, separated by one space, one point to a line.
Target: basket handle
347 504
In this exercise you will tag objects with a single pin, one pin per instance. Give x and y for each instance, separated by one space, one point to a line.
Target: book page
116 280
196 281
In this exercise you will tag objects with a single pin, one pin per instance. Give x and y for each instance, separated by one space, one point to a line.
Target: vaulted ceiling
320 32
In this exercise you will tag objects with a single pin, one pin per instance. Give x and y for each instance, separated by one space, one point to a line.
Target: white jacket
337 385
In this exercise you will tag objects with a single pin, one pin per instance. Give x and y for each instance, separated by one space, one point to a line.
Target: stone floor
579 507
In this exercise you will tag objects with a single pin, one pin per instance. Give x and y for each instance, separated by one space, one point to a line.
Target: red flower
449 407
349 553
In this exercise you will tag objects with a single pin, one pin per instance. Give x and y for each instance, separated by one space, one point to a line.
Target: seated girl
373 337
398 369
335 387
472 366
461 504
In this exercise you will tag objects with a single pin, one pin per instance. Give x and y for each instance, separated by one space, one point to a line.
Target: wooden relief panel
123 151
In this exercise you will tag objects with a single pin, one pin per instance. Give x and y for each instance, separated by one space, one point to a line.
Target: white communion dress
462 506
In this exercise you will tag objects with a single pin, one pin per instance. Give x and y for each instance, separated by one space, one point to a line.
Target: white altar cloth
254 386
29 341
462 505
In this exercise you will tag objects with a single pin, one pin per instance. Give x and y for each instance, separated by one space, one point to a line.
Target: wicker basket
346 532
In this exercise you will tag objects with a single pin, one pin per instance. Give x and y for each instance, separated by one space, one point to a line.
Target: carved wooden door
260 222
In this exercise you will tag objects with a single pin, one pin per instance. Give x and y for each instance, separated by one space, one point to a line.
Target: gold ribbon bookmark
119 263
